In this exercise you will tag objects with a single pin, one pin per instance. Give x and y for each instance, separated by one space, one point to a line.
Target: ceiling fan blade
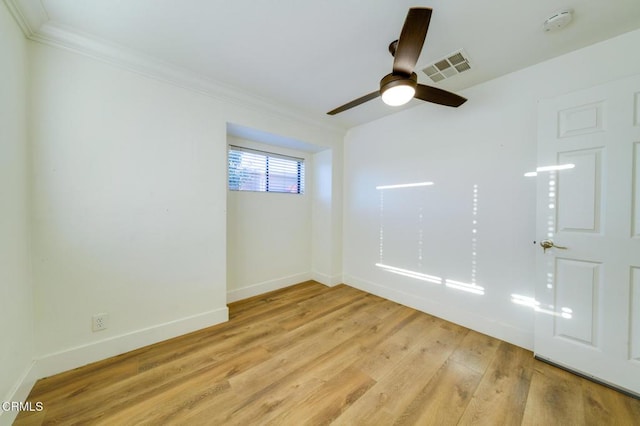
411 40
438 96
355 102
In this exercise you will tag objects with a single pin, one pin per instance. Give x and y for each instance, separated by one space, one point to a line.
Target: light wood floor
314 355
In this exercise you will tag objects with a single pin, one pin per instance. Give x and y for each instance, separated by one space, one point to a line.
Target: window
253 170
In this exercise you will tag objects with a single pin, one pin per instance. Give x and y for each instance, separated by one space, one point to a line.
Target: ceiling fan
402 85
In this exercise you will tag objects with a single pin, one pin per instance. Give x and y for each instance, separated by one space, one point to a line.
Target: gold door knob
547 244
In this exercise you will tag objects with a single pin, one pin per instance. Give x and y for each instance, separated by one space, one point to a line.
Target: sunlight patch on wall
381 188
468 287
474 237
549 169
532 303
411 274
552 192
551 226
411 209
405 185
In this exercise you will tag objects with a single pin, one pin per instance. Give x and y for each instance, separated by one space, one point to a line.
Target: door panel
579 191
576 289
636 190
588 290
580 120
635 315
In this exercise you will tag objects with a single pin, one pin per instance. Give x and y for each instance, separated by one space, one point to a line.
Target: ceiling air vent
452 64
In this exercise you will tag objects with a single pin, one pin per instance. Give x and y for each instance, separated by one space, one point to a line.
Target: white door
588 294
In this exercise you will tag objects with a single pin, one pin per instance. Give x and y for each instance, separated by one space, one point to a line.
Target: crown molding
21 20
29 14
36 26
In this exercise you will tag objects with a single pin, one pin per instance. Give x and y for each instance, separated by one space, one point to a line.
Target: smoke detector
558 20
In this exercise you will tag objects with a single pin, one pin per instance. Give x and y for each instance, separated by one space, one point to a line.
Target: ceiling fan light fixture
398 95
397 90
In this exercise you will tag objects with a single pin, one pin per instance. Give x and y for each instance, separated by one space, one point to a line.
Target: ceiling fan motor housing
392 80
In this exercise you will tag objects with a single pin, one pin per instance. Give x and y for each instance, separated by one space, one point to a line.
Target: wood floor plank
85 379
273 301
31 418
555 398
502 393
144 390
338 319
443 400
329 400
318 307
604 406
286 391
476 351
298 354
392 394
311 354
384 356
299 349
425 329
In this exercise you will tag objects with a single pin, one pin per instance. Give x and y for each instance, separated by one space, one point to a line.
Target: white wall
129 205
323 246
489 142
268 234
16 305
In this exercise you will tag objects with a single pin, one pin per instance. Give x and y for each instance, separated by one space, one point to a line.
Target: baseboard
266 286
68 359
488 326
19 393
328 280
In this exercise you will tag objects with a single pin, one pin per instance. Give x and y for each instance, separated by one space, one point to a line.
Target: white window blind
254 170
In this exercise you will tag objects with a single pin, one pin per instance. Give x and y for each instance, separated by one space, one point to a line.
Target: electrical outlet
99 322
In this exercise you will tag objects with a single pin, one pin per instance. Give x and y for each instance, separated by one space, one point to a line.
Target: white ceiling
310 57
